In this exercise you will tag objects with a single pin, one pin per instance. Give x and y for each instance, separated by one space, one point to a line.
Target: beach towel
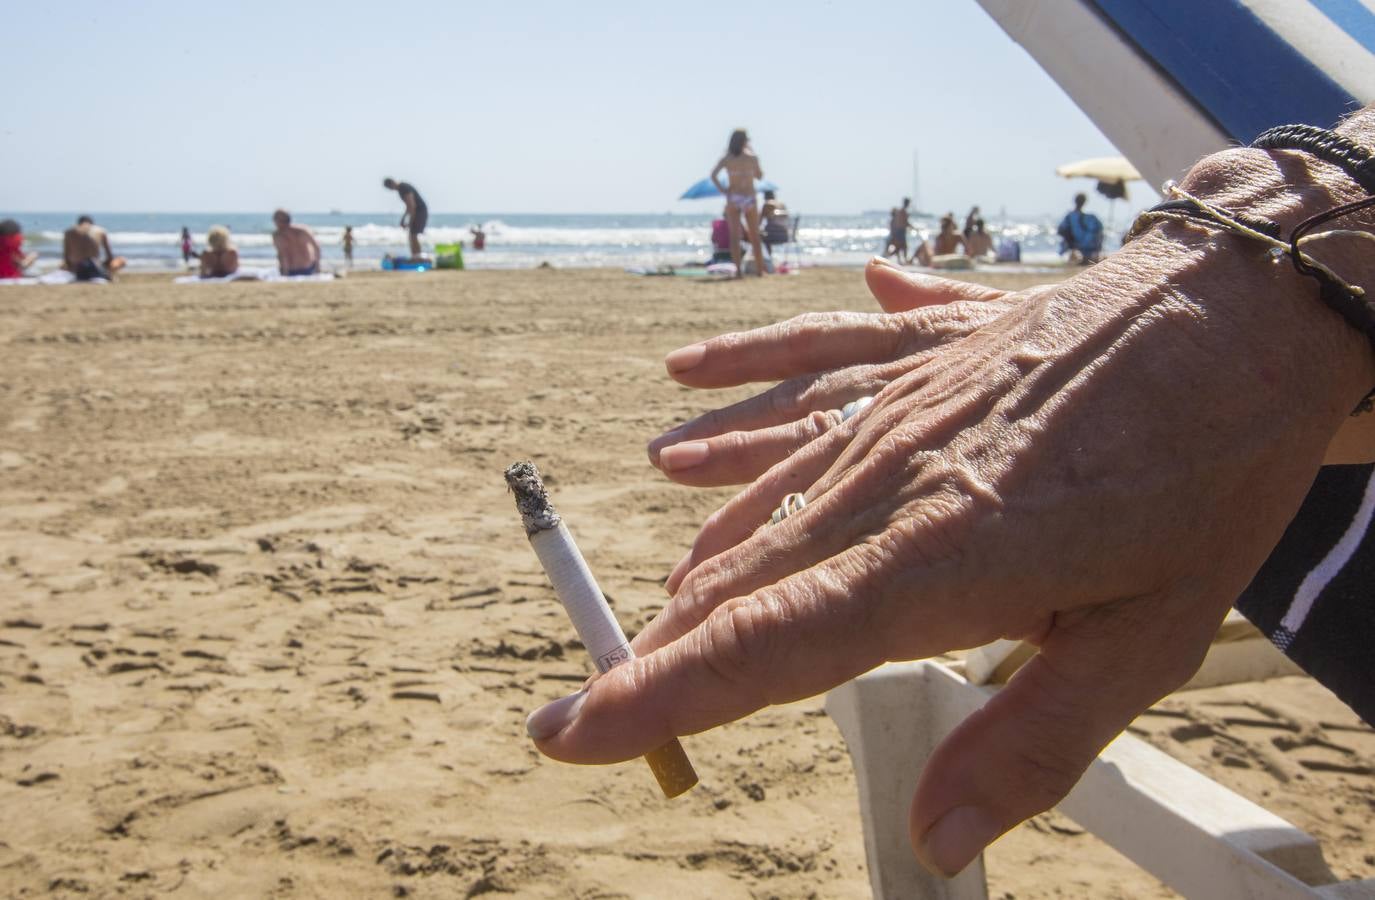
247 274
58 276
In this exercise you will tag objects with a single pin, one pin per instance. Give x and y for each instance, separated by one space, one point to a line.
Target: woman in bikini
742 211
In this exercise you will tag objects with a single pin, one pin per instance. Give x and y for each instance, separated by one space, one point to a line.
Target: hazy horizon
549 109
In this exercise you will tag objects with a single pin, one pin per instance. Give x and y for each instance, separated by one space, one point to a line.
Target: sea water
152 241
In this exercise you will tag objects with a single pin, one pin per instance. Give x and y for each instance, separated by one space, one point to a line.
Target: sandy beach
269 625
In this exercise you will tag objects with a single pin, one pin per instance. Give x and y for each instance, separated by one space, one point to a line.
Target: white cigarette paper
584 601
586 605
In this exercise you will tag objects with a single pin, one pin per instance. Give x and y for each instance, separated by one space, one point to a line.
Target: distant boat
336 212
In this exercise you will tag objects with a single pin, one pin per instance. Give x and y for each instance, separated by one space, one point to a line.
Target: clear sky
525 107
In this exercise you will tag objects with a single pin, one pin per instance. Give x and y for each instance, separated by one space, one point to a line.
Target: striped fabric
1196 75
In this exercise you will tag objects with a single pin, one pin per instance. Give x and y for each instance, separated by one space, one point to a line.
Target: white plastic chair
1192 833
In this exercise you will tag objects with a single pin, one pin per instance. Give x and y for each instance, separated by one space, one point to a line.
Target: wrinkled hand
1098 467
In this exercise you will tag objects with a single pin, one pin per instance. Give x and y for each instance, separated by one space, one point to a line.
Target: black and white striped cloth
1315 596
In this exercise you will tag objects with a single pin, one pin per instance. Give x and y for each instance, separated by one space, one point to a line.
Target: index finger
813 342
776 645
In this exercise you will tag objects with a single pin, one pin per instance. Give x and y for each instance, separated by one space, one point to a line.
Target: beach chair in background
785 263
1168 82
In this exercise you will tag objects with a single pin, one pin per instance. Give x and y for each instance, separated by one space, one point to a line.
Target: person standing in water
187 251
742 211
348 245
417 214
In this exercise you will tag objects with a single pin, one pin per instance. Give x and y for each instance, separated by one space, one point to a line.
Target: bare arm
105 245
721 164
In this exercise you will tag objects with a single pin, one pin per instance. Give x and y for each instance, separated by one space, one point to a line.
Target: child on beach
348 245
187 251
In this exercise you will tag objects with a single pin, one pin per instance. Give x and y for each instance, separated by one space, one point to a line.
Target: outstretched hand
1068 465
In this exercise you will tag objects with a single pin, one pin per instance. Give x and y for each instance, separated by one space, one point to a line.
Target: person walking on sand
417 214
297 251
899 220
86 252
742 211
348 245
1081 233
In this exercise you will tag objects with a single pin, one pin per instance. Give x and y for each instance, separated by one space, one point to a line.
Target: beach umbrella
705 189
1103 168
1111 172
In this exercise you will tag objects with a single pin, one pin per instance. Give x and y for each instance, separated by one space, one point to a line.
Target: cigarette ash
536 512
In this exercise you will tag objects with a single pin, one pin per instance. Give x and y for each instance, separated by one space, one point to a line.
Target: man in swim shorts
297 251
417 214
899 220
86 251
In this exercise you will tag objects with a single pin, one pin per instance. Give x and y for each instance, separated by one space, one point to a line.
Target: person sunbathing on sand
949 240
82 247
13 260
219 258
297 252
742 211
979 242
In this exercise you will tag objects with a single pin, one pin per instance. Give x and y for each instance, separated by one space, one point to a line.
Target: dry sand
271 626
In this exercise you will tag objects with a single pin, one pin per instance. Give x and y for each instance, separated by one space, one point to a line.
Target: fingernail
657 445
685 358
684 456
679 571
552 718
956 839
882 261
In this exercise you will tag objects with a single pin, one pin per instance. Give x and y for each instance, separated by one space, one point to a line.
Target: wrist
1237 278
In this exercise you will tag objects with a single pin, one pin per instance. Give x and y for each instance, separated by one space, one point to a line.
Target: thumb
1027 747
897 290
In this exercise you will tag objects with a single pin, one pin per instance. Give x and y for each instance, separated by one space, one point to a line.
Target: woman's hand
1099 467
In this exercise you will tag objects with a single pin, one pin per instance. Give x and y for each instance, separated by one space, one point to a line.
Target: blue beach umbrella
705 189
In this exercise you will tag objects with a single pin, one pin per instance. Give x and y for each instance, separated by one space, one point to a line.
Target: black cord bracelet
1351 157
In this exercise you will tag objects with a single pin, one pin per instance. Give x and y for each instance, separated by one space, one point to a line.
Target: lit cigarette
585 604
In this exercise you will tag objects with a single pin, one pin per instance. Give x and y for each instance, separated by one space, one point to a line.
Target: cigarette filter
586 605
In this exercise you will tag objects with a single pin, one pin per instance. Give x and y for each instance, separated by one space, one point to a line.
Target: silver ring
791 504
854 408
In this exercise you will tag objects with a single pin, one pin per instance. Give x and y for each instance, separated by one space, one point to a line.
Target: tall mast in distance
916 184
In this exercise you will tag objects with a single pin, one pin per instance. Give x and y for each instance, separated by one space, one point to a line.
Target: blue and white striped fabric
1190 78
1252 64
